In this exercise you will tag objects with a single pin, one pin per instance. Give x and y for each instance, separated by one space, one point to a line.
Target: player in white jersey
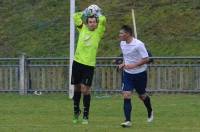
135 59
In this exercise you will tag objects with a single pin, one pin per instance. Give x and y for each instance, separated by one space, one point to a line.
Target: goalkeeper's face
92 23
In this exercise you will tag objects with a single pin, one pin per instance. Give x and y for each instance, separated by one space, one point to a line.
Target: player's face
92 24
123 36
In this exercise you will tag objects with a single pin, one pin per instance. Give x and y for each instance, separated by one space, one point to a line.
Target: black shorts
82 74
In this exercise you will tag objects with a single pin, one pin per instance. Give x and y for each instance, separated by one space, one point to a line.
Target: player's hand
85 12
98 14
121 66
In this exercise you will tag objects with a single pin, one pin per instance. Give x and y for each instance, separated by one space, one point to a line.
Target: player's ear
97 19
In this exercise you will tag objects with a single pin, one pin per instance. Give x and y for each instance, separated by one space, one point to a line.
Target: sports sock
76 98
147 103
127 109
86 104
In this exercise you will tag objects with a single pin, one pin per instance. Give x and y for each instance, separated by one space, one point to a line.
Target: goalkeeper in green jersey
90 33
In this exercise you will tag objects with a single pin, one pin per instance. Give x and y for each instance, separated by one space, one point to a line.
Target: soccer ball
94 10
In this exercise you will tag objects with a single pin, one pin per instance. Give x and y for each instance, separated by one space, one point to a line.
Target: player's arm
139 63
144 60
77 20
102 24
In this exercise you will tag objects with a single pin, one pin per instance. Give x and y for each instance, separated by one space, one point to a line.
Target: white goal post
72 42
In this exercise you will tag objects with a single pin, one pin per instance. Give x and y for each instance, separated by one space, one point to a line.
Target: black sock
147 103
127 109
76 98
86 104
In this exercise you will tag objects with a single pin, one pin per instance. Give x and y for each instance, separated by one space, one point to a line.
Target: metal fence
165 74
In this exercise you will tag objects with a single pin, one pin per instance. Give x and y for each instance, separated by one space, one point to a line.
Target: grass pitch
53 113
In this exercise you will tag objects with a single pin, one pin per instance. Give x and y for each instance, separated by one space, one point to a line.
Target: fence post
23 89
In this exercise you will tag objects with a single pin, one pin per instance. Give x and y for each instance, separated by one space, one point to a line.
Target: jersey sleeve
142 51
102 25
77 20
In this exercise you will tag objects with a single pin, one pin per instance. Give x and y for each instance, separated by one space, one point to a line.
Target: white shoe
150 119
126 124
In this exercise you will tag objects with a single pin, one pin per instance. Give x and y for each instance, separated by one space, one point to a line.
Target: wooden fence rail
166 74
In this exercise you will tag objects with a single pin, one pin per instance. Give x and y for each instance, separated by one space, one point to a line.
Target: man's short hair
92 17
127 29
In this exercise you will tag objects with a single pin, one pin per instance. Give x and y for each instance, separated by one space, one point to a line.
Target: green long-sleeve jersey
88 41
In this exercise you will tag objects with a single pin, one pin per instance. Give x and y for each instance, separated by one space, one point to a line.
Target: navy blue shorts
135 81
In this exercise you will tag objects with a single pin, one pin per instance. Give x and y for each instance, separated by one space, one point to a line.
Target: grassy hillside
36 27
41 28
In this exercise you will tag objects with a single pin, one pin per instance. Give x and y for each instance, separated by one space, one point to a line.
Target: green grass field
53 113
